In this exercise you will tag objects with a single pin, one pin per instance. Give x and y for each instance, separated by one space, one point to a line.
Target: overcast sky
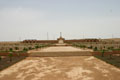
76 19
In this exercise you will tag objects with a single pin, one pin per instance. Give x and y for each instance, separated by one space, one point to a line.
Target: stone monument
60 39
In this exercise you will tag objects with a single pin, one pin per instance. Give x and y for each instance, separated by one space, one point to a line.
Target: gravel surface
61 68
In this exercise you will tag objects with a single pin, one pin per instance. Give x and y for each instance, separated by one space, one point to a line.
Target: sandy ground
60 49
61 68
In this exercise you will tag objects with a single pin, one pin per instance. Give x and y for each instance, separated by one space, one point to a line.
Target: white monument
60 40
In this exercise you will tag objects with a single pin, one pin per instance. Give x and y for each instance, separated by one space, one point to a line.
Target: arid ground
61 68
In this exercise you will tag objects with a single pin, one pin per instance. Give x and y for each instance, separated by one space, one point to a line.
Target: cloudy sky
76 19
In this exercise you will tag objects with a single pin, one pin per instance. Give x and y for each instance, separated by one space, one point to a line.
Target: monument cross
60 34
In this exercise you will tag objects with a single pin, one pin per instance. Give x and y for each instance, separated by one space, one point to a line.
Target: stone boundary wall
14 54
114 53
62 54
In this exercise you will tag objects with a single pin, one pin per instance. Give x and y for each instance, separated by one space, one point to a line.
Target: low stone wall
62 54
14 54
114 53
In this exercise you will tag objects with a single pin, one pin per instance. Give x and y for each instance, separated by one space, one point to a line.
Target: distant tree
41 46
90 47
10 56
108 48
103 51
25 49
16 48
83 46
11 50
104 47
36 46
29 48
0 58
110 55
111 48
110 51
95 49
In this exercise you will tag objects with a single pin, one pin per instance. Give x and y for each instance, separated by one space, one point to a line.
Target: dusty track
61 68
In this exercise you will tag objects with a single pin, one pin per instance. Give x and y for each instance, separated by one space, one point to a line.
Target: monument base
61 44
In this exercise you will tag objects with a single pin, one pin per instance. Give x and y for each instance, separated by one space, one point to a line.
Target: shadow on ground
114 60
5 62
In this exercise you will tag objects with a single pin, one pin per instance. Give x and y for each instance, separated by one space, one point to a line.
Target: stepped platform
59 51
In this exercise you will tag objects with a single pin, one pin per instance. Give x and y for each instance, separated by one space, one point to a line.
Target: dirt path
61 68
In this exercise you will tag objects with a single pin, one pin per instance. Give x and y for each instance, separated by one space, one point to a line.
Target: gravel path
61 68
